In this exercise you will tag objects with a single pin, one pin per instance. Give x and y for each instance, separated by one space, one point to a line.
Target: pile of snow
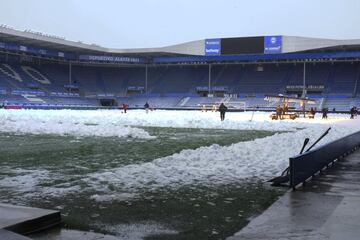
67 122
208 166
108 123
137 231
23 180
214 165
29 183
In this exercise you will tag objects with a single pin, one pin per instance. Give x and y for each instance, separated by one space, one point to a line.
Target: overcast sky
156 23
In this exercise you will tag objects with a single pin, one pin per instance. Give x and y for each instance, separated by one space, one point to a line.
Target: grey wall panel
298 44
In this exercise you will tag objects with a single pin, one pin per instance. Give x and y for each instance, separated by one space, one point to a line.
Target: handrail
306 165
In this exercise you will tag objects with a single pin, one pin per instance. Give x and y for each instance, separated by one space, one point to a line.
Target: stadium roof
45 41
290 44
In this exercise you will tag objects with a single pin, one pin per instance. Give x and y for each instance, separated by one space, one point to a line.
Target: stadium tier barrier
304 166
21 92
64 94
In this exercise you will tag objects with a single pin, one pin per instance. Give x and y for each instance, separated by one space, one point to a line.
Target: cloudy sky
156 23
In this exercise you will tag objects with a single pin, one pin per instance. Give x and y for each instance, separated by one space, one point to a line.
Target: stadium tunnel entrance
108 102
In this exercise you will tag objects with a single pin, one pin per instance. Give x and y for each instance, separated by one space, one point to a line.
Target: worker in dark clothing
146 106
222 110
324 113
353 112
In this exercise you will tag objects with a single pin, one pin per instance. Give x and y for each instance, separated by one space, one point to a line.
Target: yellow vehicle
282 110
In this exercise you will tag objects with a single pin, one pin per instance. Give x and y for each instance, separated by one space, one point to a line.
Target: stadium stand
168 85
32 76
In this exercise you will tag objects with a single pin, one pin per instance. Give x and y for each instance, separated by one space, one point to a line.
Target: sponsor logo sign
23 48
212 47
272 44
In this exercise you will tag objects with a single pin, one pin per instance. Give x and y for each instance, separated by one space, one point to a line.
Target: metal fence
306 165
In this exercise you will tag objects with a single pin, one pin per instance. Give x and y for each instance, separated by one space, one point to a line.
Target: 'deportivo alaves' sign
272 44
213 46
109 58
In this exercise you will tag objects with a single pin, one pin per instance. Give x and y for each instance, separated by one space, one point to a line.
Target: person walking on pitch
222 110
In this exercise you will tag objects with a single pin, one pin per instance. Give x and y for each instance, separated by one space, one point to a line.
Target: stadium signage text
109 58
272 44
212 47
35 50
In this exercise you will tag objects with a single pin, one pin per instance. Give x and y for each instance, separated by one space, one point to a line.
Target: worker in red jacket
125 107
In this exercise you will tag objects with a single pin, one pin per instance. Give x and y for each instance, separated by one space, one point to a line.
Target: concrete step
26 220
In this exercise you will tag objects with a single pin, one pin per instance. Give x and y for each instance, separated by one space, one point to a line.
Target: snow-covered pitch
261 158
